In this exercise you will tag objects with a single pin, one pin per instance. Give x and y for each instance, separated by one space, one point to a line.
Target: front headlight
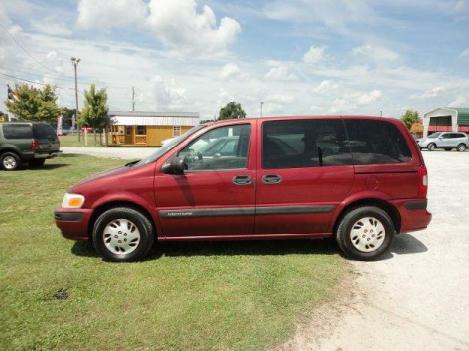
73 200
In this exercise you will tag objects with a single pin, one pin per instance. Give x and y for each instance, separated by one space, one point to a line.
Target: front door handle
242 180
271 179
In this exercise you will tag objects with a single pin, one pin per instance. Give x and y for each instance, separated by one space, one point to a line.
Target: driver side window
221 148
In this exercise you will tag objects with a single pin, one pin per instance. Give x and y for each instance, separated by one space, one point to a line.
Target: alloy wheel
9 162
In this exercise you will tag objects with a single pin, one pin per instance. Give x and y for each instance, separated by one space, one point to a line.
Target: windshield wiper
130 164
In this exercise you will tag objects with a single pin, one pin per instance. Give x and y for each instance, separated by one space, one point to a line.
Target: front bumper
413 213
73 223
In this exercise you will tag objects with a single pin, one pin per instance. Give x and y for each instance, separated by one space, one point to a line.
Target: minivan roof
379 118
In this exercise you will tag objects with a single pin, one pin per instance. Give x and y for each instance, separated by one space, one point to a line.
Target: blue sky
298 57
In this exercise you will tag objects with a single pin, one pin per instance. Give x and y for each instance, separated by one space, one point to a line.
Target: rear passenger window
375 142
304 143
44 131
17 131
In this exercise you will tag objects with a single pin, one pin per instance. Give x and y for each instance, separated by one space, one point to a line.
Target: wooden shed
133 128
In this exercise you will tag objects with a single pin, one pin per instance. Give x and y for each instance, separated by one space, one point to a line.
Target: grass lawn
72 140
186 296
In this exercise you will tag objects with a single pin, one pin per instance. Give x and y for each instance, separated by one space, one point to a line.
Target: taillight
423 181
35 145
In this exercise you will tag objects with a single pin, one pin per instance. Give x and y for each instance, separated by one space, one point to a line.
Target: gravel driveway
417 296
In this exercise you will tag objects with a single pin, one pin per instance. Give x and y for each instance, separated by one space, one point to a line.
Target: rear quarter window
17 131
44 131
376 142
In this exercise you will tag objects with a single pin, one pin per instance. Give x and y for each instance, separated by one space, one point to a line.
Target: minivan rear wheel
123 234
364 233
461 147
10 161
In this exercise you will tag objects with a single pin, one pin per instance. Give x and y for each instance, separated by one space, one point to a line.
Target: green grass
186 296
72 140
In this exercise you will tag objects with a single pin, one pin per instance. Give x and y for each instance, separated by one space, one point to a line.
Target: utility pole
133 99
381 113
262 103
74 120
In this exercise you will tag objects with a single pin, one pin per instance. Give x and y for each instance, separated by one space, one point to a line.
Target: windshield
162 150
434 135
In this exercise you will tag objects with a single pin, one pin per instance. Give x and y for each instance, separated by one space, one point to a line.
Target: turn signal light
73 201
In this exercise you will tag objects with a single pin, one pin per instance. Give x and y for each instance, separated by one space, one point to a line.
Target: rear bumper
73 223
35 155
414 214
44 155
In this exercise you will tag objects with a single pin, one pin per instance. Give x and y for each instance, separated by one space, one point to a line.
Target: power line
24 49
48 68
31 81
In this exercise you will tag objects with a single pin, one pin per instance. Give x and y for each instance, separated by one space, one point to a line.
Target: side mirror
177 165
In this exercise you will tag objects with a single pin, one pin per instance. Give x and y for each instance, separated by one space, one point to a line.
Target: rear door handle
271 179
242 180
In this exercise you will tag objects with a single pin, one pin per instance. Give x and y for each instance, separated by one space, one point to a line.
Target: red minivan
359 179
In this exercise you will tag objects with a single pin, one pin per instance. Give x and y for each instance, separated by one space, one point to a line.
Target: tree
232 110
34 104
94 111
409 118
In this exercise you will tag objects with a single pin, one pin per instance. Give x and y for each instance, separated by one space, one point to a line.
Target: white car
445 140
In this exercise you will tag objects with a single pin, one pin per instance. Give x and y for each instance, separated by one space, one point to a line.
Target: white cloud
110 13
324 87
50 26
280 71
163 94
181 27
465 53
279 99
376 53
335 15
352 101
368 98
314 54
459 101
178 24
433 92
229 71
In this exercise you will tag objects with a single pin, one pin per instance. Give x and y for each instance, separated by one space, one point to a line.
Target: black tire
143 224
343 233
461 147
10 161
448 148
431 147
37 162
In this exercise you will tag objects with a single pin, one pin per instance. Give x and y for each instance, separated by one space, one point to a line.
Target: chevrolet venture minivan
361 180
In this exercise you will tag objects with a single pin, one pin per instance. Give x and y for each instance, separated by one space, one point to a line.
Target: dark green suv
31 142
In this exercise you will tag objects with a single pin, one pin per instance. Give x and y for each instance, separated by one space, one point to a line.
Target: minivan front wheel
431 147
365 233
123 234
10 161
